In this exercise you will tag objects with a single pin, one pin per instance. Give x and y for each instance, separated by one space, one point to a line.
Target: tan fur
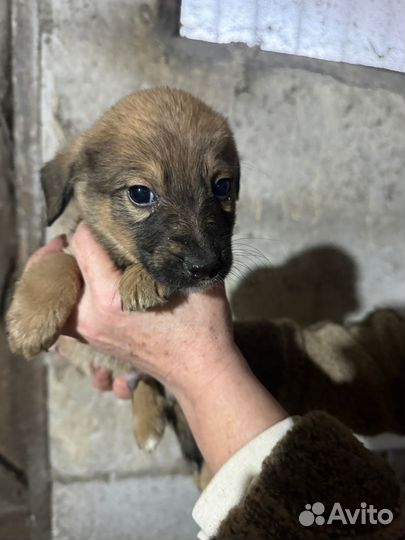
44 298
85 358
175 145
138 291
203 477
148 407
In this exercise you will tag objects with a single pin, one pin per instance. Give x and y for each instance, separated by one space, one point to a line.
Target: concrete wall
323 151
13 489
24 503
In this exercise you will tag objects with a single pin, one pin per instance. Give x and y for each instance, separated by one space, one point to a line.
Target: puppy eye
141 195
221 187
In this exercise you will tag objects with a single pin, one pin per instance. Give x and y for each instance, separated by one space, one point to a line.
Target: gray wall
322 149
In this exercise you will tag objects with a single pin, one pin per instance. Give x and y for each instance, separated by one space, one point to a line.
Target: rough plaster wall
14 515
322 150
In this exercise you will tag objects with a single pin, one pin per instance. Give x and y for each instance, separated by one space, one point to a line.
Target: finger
95 264
66 346
53 246
121 389
70 327
216 292
219 289
102 379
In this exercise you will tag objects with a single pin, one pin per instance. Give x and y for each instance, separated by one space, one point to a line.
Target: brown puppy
156 180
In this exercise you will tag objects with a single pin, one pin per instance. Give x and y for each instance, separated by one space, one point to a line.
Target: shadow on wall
314 285
354 373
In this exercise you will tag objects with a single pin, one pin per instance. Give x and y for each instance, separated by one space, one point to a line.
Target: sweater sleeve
318 482
227 488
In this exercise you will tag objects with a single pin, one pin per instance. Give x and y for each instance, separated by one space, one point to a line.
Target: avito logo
366 514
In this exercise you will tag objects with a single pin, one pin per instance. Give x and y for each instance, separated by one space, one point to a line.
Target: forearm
227 411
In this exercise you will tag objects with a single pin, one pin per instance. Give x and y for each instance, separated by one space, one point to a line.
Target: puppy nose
202 268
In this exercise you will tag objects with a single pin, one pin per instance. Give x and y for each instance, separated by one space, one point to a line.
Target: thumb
53 246
95 264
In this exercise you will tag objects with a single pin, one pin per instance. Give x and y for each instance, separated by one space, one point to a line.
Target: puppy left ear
57 181
237 180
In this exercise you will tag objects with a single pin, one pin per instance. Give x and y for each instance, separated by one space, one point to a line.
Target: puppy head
156 180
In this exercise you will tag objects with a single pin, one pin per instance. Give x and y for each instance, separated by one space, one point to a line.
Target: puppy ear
237 188
57 181
237 181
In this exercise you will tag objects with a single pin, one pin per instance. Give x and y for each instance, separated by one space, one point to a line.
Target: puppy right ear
57 178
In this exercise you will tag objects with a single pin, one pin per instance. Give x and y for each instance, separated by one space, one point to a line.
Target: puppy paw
42 302
139 291
29 332
149 418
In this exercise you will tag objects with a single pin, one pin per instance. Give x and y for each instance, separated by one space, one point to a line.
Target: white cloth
363 32
229 485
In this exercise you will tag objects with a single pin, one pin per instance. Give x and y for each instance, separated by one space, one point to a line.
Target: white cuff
229 485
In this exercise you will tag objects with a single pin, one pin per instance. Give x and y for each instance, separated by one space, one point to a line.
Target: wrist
209 368
227 411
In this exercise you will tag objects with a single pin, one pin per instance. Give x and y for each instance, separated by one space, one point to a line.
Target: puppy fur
177 147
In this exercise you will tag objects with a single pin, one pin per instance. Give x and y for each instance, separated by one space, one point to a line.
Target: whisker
240 273
245 164
250 238
249 251
246 265
252 253
235 272
252 249
249 258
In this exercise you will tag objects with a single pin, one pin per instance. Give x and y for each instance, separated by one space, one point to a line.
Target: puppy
155 180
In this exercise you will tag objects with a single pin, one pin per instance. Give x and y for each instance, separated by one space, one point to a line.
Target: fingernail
132 380
63 238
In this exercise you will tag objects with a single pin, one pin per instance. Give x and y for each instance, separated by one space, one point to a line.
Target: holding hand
187 345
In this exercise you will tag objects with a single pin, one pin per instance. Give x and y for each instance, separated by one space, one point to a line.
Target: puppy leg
43 300
202 474
203 477
138 290
148 401
149 418
187 443
86 359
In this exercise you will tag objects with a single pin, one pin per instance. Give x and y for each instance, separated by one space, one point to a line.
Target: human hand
187 345
185 336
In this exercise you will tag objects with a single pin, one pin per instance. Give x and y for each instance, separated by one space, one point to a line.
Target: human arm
309 461
188 346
